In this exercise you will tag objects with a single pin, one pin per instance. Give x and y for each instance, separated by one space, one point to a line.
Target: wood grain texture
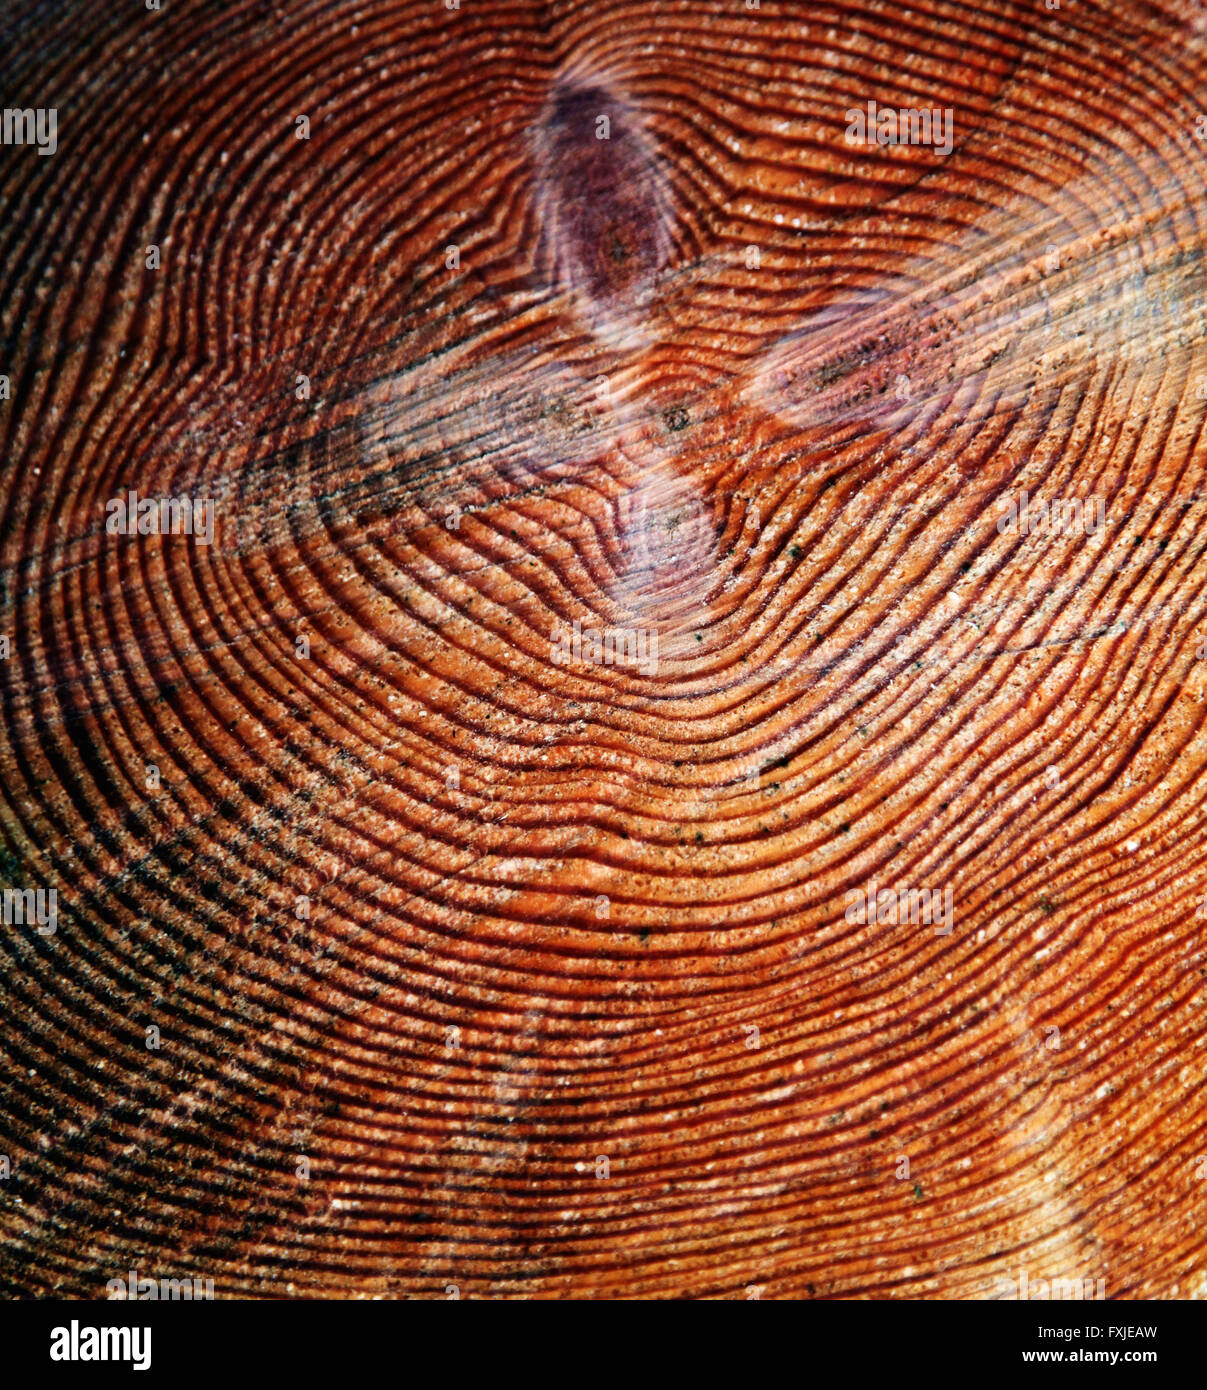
724 385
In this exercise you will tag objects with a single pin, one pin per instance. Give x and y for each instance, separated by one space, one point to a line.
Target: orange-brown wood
648 553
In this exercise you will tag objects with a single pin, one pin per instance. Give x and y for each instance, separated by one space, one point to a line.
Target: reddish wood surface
724 380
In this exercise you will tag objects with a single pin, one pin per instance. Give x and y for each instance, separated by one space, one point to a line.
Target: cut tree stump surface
680 770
